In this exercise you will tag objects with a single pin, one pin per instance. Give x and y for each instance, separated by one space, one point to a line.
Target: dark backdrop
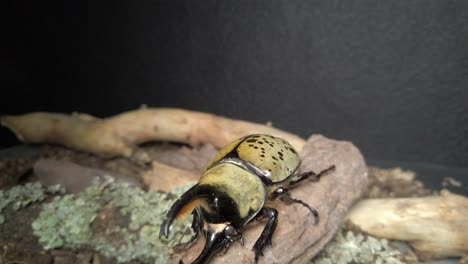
391 76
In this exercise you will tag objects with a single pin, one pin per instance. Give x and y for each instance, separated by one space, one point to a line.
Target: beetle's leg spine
267 233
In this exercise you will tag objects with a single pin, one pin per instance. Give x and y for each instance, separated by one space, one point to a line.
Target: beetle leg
265 237
284 195
310 174
289 200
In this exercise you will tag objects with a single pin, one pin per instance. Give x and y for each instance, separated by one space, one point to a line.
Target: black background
391 76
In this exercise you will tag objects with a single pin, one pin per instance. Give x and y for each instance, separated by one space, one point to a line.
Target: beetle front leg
310 175
284 195
265 237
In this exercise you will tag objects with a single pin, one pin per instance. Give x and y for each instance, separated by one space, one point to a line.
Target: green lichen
21 196
117 219
348 247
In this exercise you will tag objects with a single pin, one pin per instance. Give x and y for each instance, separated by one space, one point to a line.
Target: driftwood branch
119 135
435 226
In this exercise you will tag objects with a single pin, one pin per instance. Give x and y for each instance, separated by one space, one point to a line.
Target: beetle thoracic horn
182 207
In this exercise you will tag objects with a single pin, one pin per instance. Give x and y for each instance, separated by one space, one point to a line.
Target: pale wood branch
436 226
119 135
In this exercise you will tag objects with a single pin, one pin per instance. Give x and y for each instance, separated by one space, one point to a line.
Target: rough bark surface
297 239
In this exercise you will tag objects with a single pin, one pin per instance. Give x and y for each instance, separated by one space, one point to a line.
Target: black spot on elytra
250 145
281 158
255 147
281 154
262 148
252 140
271 145
260 142
263 151
274 163
262 156
273 157
292 150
